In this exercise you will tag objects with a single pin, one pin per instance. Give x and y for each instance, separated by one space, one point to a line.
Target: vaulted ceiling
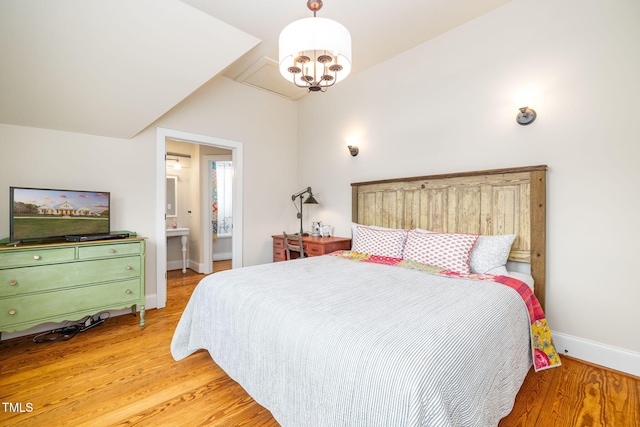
113 67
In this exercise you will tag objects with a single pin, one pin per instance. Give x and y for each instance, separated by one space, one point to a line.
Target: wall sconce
177 165
526 116
353 149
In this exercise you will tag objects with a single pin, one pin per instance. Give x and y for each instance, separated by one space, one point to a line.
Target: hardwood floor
576 394
116 375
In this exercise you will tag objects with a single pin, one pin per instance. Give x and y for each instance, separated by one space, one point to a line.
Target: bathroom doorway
217 179
236 151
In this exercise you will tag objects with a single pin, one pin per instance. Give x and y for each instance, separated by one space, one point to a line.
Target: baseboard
151 301
199 267
599 354
177 265
31 331
195 266
222 256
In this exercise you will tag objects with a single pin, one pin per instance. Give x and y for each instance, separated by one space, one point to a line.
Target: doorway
236 148
220 167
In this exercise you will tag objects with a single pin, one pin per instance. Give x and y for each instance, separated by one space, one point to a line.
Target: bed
375 338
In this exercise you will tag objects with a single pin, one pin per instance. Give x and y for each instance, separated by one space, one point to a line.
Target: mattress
325 341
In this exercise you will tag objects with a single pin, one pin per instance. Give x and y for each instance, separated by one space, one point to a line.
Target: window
224 179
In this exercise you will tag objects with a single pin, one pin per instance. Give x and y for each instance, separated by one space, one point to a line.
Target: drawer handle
128 291
13 282
129 267
112 251
12 311
315 250
36 257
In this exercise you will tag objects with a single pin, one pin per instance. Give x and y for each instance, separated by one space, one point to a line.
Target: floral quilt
543 351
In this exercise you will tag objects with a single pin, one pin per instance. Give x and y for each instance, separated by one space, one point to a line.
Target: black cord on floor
70 329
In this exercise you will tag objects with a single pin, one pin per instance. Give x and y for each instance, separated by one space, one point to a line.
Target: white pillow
425 231
490 254
379 241
446 250
523 277
355 225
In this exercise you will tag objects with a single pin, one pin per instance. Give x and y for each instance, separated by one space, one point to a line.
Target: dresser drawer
105 251
24 280
278 250
313 249
30 308
36 256
279 255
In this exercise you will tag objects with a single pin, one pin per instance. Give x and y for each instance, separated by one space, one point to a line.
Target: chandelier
315 53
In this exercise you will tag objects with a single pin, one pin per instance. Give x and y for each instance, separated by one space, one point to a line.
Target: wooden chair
293 243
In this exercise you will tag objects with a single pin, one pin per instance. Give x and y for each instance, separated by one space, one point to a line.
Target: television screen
47 214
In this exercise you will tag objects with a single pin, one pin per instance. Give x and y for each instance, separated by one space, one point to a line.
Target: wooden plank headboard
489 202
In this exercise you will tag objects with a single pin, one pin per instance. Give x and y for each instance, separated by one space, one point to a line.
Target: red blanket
543 352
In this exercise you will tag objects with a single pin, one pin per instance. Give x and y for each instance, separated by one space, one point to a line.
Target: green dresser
67 281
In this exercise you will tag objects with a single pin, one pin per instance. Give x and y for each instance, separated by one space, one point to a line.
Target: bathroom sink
171 232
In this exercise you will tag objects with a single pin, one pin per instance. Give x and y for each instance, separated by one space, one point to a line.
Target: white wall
447 106
264 123
444 106
35 157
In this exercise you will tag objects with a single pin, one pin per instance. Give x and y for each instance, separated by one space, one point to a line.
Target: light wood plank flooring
116 375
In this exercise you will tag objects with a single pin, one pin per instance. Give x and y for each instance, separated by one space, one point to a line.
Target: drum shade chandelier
315 53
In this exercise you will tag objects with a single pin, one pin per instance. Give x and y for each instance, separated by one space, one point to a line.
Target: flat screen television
45 214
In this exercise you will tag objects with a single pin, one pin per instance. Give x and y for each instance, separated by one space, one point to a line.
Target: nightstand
313 246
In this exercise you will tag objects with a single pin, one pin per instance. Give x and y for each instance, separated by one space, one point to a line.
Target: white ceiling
113 67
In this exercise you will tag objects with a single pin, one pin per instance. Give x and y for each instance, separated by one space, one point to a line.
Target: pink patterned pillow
382 242
446 250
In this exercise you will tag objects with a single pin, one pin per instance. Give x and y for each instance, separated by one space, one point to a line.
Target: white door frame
162 134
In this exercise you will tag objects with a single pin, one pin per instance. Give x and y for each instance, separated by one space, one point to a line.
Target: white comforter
330 342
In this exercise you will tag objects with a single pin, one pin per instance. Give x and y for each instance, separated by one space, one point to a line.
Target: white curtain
221 198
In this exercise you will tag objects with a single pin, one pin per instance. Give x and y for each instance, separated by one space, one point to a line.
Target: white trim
599 354
161 240
177 265
199 267
222 256
191 264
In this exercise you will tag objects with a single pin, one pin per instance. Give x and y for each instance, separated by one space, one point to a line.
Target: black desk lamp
310 200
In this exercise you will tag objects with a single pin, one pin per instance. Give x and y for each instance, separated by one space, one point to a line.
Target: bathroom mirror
172 196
